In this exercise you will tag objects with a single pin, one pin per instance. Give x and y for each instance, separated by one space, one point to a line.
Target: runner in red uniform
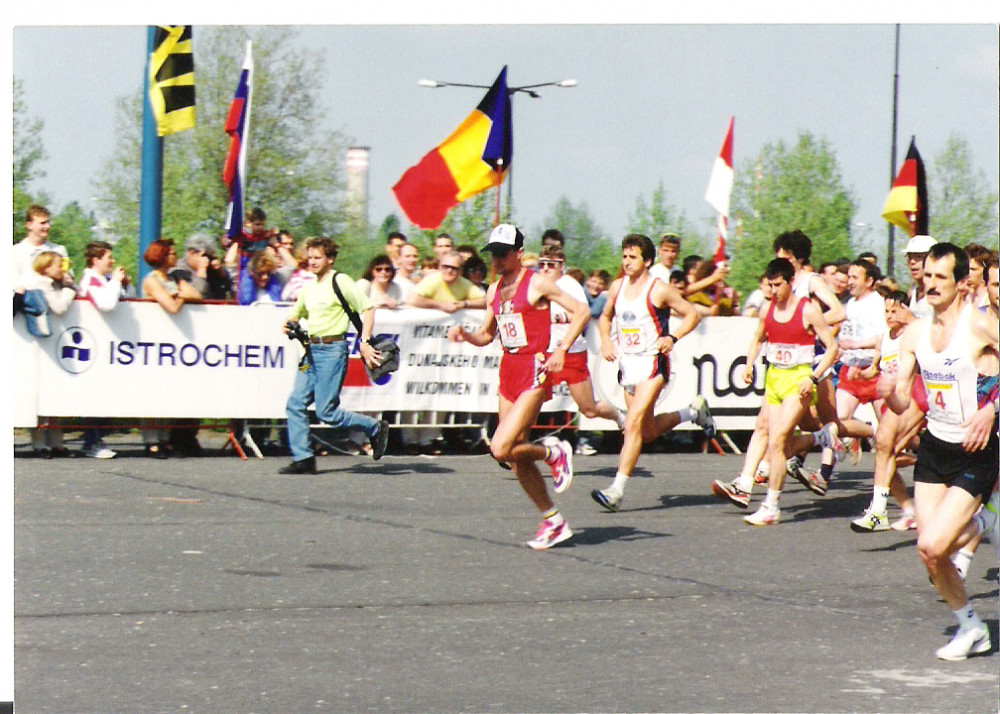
519 313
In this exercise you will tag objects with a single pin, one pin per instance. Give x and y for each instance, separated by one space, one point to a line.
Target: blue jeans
320 384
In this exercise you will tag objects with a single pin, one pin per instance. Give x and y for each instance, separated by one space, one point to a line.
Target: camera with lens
296 332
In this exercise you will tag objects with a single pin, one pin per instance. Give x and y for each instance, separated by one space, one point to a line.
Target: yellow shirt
318 302
434 287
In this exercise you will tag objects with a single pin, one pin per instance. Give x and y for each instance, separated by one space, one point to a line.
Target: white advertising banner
227 361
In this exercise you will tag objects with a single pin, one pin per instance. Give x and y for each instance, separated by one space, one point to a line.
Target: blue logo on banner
76 350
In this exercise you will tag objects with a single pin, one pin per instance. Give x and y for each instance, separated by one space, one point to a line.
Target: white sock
618 485
772 497
968 619
880 499
620 418
686 414
554 516
744 483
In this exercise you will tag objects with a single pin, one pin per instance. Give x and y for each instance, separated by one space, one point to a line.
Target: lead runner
518 309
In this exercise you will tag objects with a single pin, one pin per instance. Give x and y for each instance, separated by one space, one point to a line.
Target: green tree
783 188
587 246
469 222
293 164
28 154
657 217
73 228
963 206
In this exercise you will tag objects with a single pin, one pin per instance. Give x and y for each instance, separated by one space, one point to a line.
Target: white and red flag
720 186
234 172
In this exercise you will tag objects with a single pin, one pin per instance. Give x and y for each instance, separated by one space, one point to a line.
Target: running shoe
908 522
966 642
830 440
585 450
608 499
993 506
380 439
765 516
870 522
813 480
703 416
561 454
731 492
763 474
548 534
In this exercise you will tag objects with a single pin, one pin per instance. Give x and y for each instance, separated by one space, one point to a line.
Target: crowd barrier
220 361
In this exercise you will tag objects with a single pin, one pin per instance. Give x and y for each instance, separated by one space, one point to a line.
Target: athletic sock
984 519
553 515
967 618
826 464
618 485
685 414
550 455
771 500
962 560
744 483
880 499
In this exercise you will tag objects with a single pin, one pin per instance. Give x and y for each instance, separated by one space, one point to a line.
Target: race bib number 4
512 333
943 402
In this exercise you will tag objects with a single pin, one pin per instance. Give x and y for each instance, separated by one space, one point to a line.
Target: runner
894 432
575 371
641 305
790 327
957 458
518 308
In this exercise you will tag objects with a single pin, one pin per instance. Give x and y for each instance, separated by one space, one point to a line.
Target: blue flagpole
151 186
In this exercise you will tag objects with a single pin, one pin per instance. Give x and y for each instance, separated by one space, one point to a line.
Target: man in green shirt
321 381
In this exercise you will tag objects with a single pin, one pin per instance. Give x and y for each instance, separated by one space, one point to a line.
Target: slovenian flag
474 158
720 186
237 125
906 205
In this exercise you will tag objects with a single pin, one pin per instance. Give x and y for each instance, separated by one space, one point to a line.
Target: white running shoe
967 641
765 516
870 522
703 416
548 534
561 463
100 452
830 440
609 500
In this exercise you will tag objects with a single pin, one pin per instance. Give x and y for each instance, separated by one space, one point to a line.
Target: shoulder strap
355 319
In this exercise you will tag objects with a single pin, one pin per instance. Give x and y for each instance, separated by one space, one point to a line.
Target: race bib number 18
512 332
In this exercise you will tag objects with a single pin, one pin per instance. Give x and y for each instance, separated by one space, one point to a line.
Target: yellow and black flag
171 79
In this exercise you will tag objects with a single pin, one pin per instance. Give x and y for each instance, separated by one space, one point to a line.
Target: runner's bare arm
487 330
664 295
815 319
754 348
604 321
833 311
897 394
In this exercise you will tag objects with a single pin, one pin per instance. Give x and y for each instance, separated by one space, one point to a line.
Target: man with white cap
518 309
915 252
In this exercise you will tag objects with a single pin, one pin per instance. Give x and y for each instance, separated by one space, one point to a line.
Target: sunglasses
543 264
382 269
450 267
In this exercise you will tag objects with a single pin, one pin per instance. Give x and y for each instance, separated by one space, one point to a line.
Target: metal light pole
511 91
891 260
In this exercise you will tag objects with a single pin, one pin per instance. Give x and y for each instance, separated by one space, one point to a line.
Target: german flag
171 79
906 205
474 158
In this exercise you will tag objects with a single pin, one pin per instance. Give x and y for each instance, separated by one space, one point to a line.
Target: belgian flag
474 158
906 205
171 79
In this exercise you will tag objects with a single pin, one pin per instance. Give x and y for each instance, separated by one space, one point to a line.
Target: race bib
630 340
511 328
943 401
784 355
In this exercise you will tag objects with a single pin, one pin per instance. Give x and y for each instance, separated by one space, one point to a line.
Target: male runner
641 305
790 327
957 458
518 308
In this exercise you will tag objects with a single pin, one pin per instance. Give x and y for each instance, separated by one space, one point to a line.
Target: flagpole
890 258
151 176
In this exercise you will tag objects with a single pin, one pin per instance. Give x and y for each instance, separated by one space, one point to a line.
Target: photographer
320 382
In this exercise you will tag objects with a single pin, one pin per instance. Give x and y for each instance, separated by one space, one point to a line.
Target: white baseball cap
919 244
503 238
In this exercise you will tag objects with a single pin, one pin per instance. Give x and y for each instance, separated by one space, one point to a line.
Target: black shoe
380 439
156 451
303 466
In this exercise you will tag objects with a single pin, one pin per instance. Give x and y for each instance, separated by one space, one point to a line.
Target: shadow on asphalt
604 534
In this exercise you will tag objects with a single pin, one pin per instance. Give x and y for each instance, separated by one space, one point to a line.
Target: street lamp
528 89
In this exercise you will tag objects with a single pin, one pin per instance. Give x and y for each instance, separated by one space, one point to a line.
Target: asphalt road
215 585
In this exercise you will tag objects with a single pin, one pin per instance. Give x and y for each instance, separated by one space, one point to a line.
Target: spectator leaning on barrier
596 288
36 241
194 266
407 275
446 289
261 282
377 283
170 293
475 271
321 381
716 298
299 277
49 277
103 285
